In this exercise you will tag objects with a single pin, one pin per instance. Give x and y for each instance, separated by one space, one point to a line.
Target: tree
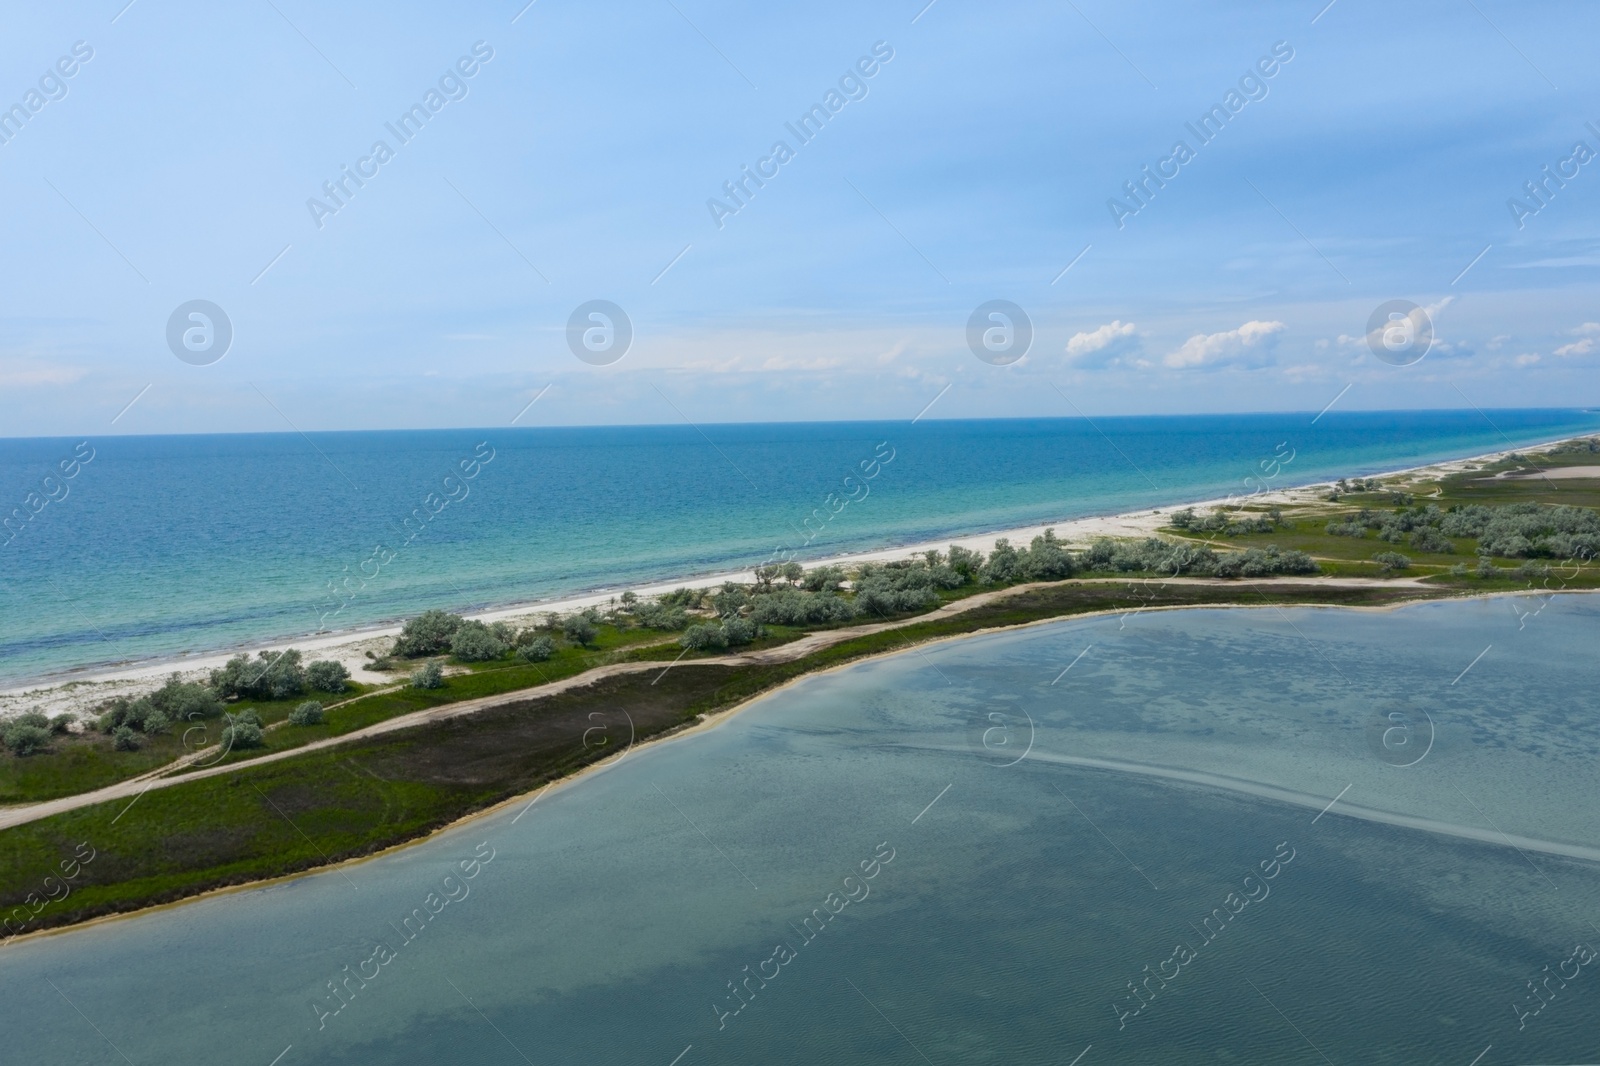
1391 562
474 642
703 637
325 675
308 713
1047 560
1004 565
243 730
427 634
579 629
429 676
270 676
26 737
538 649
125 739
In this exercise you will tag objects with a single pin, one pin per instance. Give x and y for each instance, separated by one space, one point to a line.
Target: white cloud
21 373
1588 329
1577 348
1527 359
1246 346
1100 346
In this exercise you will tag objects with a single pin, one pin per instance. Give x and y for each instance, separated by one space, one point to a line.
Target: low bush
474 642
26 737
325 675
428 633
537 650
308 713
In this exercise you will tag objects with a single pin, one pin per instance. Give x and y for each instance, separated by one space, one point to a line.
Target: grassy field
1304 528
297 814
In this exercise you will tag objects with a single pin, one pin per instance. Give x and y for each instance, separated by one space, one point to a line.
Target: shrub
242 733
33 718
428 633
325 675
125 739
1183 519
185 701
155 723
729 599
428 676
127 713
1346 529
703 637
682 597
1390 562
26 738
737 631
61 724
964 561
788 607
1430 540
537 650
822 579
579 629
1459 570
1004 565
660 616
1486 567
474 642
269 676
308 713
1046 559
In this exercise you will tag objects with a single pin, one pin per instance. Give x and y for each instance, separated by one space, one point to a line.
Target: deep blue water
169 545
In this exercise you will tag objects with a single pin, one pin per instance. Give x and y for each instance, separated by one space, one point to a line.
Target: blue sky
1375 164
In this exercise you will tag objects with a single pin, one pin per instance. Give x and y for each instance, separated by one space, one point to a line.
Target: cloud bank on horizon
279 215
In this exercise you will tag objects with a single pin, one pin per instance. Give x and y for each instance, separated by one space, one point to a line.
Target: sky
1356 154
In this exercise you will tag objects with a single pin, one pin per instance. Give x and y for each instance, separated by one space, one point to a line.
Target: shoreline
707 722
79 689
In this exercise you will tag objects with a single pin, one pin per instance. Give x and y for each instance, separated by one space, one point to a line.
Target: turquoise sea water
169 545
1023 895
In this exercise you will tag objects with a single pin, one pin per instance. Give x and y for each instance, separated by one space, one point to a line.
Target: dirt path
796 649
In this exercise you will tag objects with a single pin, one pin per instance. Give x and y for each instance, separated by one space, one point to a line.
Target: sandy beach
79 691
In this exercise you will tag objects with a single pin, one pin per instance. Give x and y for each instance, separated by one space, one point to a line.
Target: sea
128 549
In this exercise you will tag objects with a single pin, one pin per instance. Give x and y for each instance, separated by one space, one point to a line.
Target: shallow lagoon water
1023 894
